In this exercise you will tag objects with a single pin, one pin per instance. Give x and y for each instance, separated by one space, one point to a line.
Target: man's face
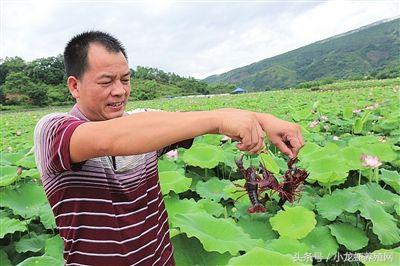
103 90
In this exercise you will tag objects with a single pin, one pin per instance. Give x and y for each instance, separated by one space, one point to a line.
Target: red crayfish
288 189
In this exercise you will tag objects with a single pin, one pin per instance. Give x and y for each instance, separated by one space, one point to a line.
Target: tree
18 83
10 64
48 70
38 94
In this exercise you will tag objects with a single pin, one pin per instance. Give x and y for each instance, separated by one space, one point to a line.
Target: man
99 165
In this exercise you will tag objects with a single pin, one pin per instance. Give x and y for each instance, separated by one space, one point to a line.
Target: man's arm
151 131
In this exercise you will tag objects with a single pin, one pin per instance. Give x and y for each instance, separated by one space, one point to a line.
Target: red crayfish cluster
288 189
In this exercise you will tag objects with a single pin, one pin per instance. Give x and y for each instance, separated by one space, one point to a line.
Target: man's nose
118 89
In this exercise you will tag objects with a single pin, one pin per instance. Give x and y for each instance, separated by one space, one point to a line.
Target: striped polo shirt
108 210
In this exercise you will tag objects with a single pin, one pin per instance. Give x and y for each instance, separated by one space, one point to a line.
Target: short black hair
76 51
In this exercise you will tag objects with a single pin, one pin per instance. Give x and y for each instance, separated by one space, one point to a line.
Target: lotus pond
348 212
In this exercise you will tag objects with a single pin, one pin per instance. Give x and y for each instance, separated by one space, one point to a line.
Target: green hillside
372 50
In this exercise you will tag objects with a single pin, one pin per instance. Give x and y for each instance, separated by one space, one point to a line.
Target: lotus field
349 208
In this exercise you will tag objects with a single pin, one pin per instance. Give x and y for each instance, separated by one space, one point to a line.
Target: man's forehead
99 56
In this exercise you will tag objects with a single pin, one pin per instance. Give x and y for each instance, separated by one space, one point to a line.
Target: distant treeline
43 82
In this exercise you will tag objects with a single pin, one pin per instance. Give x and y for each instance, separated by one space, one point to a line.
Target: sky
189 38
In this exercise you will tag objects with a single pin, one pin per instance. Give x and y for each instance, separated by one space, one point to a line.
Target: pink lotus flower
172 155
357 111
370 161
314 123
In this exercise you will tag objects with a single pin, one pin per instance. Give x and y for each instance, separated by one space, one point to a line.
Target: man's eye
125 80
106 83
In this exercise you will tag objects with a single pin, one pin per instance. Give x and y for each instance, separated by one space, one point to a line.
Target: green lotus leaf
288 246
54 248
351 156
362 141
166 165
331 206
32 173
307 199
329 150
302 114
358 126
211 207
269 163
261 256
213 189
185 206
392 178
294 222
210 139
11 158
47 217
321 242
216 234
8 175
42 260
351 237
383 197
204 156
328 170
383 150
383 224
347 112
381 257
27 162
230 157
31 242
4 261
11 225
25 200
308 149
257 229
174 181
189 251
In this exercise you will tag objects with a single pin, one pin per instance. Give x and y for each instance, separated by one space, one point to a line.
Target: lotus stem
376 177
359 177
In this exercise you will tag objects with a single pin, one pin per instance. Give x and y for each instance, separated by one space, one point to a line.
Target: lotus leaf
392 178
257 229
4 261
166 165
294 222
321 242
11 225
331 206
8 175
42 260
27 162
54 248
288 246
47 217
261 256
174 181
25 201
216 234
384 151
269 163
211 207
381 257
213 189
184 206
351 237
189 251
31 242
204 156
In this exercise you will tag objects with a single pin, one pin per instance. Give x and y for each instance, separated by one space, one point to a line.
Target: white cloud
188 38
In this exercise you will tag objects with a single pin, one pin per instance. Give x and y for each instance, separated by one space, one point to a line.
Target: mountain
370 50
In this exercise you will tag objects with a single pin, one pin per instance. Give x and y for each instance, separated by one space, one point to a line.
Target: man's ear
72 83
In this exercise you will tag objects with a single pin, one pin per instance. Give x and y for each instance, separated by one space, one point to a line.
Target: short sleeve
182 144
52 138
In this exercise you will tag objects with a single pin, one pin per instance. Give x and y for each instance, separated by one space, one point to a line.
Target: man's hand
284 135
249 129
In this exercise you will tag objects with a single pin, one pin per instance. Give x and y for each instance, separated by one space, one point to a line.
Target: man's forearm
140 133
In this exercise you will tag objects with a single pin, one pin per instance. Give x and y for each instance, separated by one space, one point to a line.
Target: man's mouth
116 104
